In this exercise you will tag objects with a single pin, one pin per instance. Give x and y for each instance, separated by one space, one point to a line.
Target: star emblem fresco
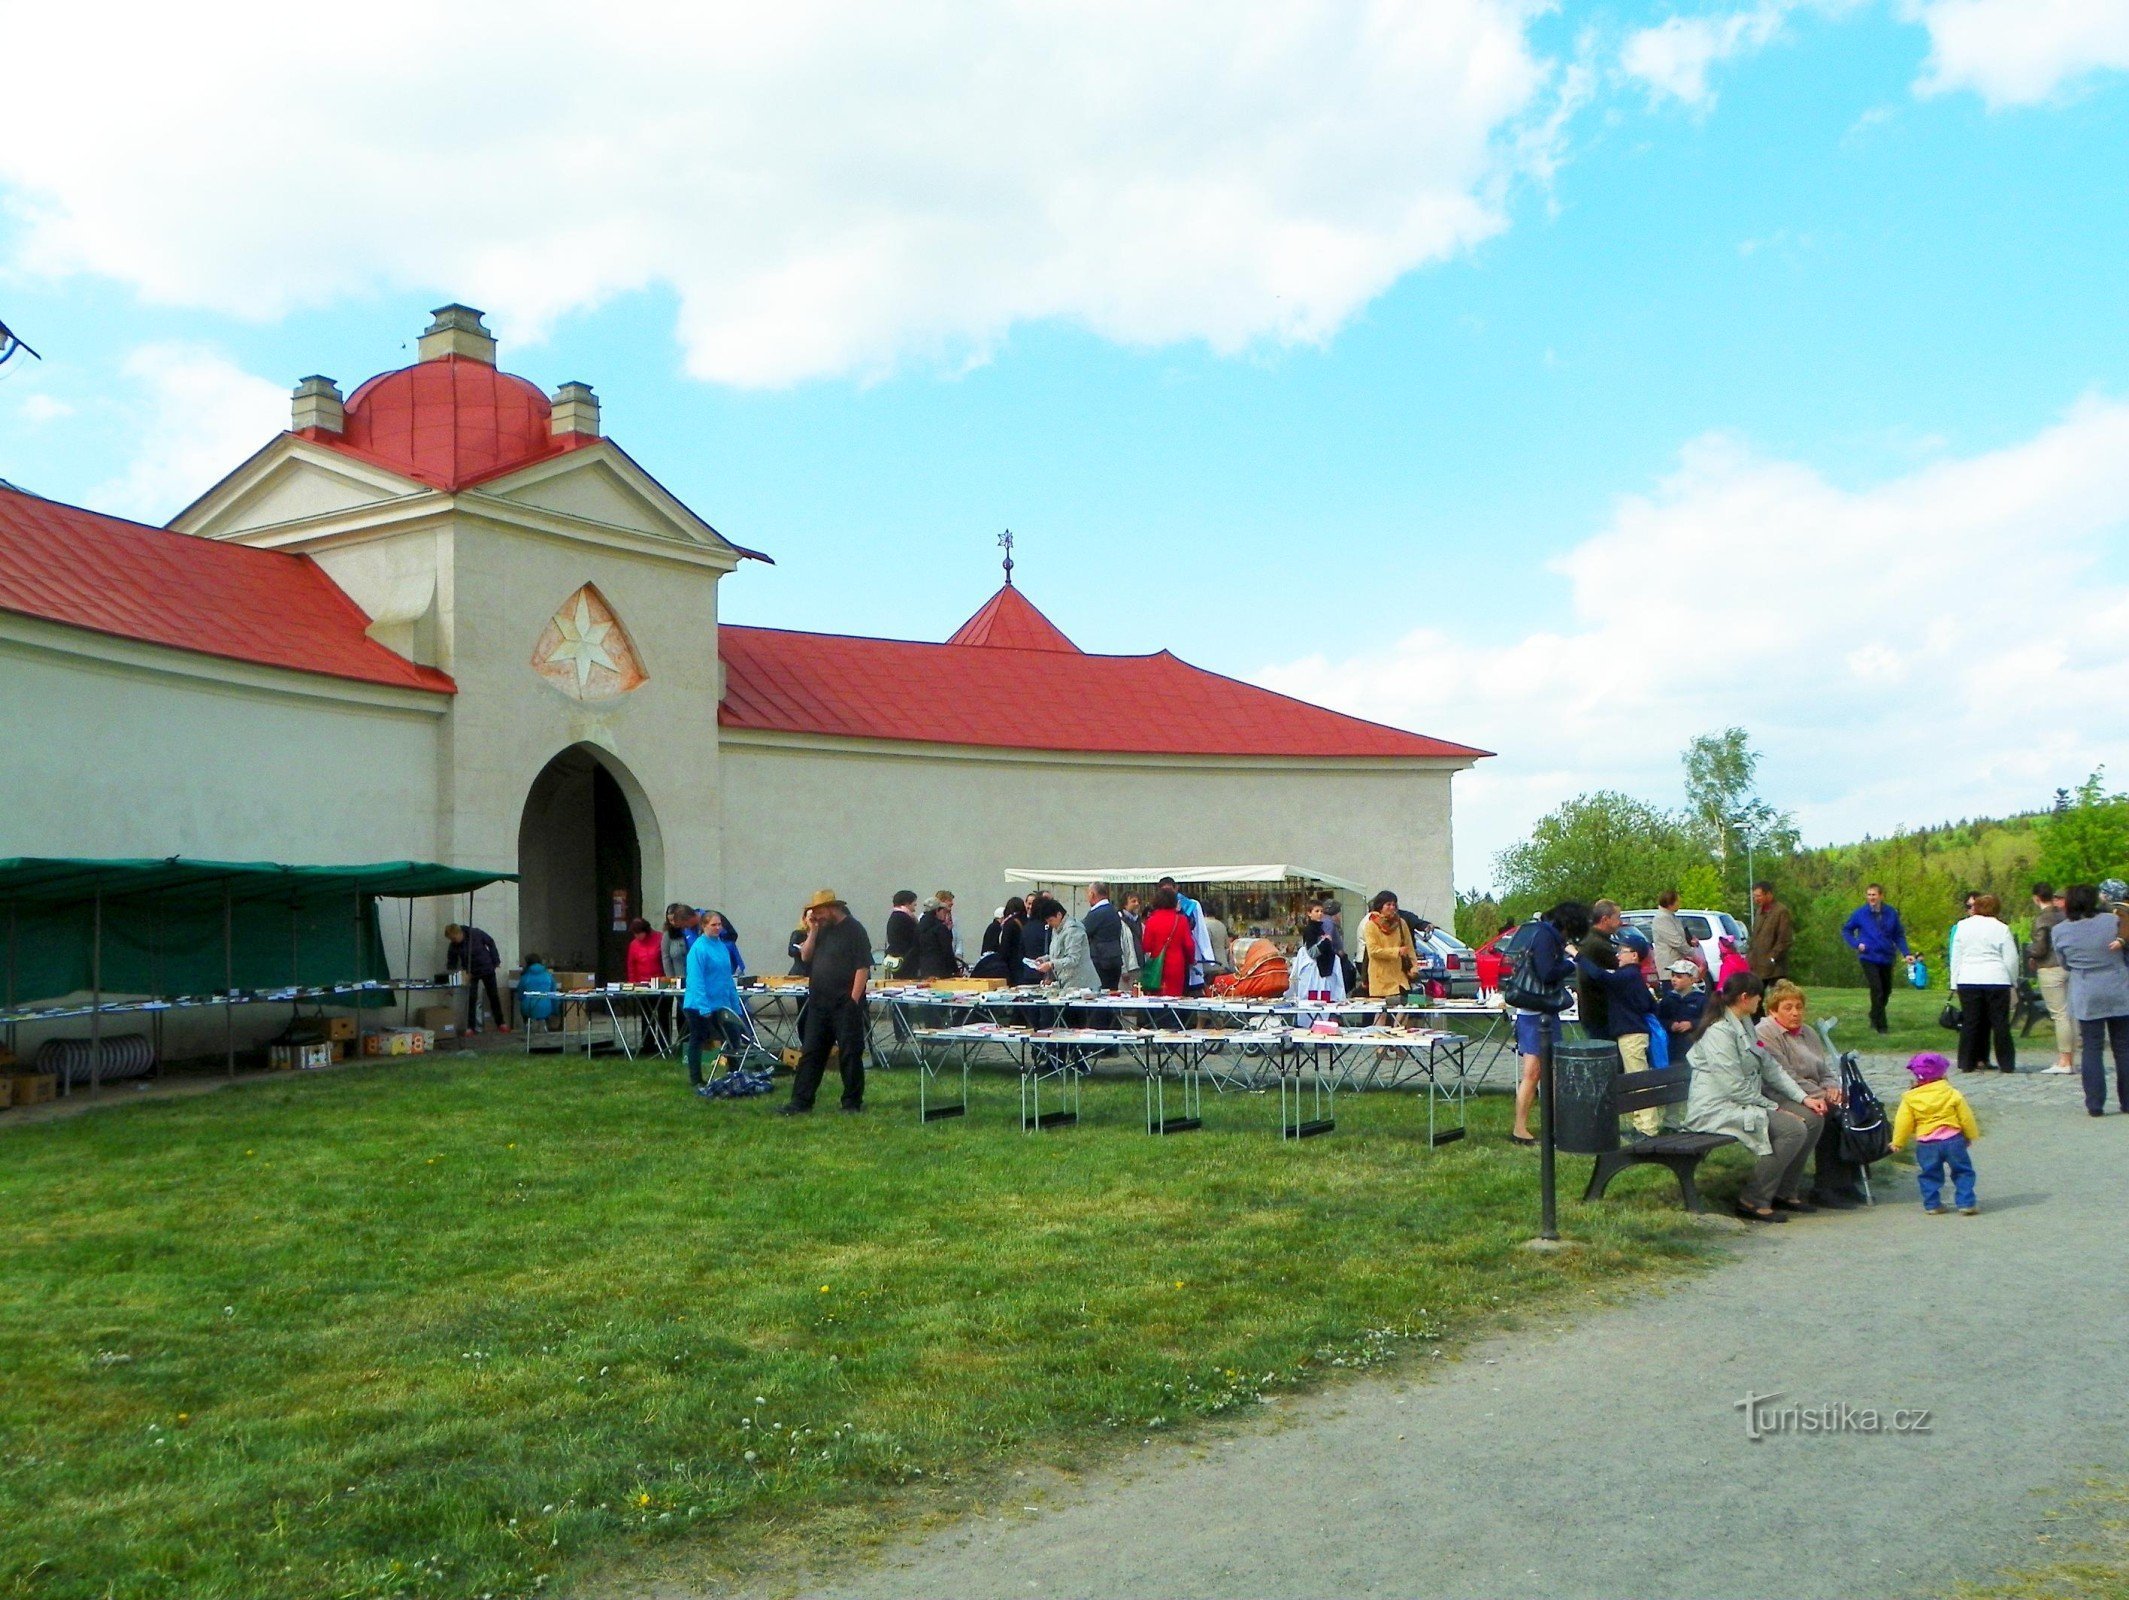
585 652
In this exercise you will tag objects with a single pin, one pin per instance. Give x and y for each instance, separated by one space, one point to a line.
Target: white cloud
826 187
1951 642
2019 52
195 414
1673 57
39 408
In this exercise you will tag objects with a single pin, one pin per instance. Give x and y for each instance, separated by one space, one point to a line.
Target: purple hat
1927 1067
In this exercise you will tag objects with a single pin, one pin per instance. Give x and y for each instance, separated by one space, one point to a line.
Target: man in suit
1105 936
1773 932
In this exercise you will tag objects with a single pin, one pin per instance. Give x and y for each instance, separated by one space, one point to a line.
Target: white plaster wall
870 820
112 759
503 586
105 760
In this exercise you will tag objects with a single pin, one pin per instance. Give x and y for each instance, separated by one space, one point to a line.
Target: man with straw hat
837 955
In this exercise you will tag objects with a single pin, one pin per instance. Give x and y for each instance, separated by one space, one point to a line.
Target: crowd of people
1167 945
1763 1077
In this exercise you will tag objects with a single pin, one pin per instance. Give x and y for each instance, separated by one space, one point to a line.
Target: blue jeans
1936 1157
699 1026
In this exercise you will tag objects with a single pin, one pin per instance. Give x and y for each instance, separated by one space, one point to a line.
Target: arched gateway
587 845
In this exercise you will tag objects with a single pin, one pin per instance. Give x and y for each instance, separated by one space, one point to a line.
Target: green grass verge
2083 1556
1912 1016
464 1327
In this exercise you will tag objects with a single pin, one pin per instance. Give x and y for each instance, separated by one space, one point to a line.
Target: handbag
1864 1135
1952 1017
1523 992
1150 969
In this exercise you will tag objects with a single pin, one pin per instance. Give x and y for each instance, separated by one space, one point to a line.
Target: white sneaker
2058 1071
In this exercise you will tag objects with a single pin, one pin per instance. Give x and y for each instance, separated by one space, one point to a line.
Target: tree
2086 837
1723 801
1607 844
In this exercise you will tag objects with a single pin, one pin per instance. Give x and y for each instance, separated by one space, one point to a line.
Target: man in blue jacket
1874 933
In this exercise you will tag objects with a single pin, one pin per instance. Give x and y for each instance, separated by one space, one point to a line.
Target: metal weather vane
1005 543
10 342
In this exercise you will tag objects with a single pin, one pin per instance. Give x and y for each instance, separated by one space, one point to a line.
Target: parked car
1704 928
1454 963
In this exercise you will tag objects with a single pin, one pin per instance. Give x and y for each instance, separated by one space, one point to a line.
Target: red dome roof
448 422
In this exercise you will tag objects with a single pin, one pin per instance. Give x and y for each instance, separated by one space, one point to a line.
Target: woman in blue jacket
710 1000
536 988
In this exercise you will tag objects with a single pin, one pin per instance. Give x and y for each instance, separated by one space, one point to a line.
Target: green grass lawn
1912 1016
467 1326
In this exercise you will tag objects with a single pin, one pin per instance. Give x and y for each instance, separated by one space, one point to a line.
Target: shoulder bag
1523 991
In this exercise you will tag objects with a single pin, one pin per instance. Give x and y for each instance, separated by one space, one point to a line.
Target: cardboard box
341 1029
34 1088
568 981
784 981
966 985
7 1093
573 1018
437 1019
299 1057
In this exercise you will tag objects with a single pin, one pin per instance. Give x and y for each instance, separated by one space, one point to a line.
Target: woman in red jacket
1169 936
646 953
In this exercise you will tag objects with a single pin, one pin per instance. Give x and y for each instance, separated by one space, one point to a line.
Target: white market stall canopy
1273 875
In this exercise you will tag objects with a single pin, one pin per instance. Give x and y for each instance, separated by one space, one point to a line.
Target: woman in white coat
1741 1090
1985 965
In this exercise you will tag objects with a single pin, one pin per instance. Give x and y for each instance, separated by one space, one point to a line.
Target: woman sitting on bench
1740 1090
1803 1055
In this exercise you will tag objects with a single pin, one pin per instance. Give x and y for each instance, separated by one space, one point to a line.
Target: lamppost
1742 822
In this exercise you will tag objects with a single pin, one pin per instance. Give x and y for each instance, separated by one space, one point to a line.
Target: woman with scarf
1317 977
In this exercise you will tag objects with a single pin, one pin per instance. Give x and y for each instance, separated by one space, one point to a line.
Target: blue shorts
1527 1026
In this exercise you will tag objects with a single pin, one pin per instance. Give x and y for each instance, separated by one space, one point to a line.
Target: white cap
1686 968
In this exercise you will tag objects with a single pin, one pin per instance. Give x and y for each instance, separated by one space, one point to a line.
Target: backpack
1866 1135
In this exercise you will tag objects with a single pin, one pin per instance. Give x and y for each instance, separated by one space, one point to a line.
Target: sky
1566 380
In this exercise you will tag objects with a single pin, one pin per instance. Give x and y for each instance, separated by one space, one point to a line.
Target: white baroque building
446 618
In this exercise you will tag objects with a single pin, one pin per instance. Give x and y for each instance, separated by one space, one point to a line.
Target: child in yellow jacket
1936 1119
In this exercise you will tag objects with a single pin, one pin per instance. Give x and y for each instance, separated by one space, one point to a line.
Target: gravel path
1610 1457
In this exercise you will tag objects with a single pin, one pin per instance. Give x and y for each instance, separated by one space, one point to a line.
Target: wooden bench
1681 1152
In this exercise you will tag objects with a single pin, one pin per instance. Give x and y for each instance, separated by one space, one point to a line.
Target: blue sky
1774 370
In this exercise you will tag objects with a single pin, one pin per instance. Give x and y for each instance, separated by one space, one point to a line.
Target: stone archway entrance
580 864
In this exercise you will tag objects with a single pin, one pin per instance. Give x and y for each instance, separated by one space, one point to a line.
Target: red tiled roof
1014 697
1010 619
449 423
86 570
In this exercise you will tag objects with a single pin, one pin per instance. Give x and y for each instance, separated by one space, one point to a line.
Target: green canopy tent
177 927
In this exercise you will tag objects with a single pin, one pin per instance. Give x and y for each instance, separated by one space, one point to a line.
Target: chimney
457 331
317 407
576 410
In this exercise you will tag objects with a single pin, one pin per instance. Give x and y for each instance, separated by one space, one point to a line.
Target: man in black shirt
837 955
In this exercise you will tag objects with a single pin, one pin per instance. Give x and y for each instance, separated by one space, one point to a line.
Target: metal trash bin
1582 1075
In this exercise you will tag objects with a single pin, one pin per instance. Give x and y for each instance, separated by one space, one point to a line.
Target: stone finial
318 406
576 410
457 331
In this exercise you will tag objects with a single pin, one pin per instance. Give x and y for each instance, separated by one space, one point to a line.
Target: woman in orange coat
1169 936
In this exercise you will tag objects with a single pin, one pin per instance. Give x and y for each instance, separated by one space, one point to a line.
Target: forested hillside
1614 845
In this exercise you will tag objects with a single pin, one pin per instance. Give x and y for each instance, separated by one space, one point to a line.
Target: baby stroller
2031 1008
1865 1130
